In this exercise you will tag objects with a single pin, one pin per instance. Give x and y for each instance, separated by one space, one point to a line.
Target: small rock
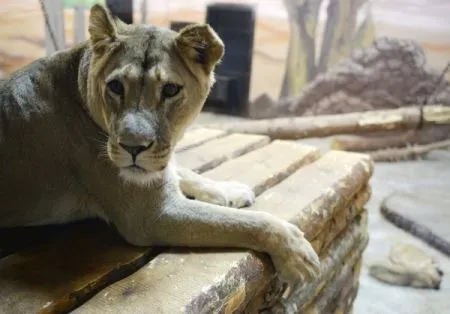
408 266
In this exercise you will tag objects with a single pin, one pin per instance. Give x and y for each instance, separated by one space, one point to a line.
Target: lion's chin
141 176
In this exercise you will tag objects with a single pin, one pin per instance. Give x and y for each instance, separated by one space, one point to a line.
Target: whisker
153 159
103 159
100 142
105 135
104 154
159 156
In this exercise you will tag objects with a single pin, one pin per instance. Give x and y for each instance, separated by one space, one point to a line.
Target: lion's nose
134 150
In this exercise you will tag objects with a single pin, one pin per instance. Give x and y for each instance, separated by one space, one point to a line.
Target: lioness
89 132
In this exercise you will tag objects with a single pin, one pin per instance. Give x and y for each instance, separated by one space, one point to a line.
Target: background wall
22 31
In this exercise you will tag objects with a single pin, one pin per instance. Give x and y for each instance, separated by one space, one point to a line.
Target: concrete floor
374 297
432 174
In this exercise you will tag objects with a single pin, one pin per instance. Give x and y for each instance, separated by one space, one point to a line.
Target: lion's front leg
190 223
225 193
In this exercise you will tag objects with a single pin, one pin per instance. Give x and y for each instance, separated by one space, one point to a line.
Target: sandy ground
375 297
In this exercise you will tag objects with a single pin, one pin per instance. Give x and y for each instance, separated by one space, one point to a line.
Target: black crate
235 24
123 9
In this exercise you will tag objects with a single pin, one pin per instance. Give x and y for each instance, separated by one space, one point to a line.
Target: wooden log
407 153
405 118
344 251
342 292
219 151
424 214
361 143
339 222
344 302
348 249
198 137
381 140
197 281
228 294
260 171
327 174
56 276
342 277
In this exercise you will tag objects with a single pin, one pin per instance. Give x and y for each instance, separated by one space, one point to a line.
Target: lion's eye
116 87
170 90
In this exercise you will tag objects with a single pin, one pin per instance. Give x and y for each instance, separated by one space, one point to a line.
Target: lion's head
145 86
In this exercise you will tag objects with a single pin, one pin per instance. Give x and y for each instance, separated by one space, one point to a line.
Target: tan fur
90 132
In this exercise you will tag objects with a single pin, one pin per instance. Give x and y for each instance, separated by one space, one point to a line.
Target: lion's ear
102 28
200 46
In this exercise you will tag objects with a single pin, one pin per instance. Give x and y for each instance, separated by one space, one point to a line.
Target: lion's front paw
293 256
226 193
236 194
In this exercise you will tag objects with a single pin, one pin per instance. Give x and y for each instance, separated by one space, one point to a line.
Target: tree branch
405 118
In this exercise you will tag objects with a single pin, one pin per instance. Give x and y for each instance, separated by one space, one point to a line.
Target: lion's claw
294 257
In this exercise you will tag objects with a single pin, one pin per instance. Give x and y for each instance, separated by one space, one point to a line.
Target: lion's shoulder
21 86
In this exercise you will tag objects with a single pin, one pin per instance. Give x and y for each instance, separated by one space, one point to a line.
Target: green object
81 3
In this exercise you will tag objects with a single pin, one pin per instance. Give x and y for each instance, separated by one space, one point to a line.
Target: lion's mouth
137 174
136 169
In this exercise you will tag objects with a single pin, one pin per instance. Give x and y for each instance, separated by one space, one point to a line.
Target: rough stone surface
388 74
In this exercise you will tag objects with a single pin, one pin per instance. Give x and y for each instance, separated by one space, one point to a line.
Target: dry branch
360 143
339 29
300 64
364 35
405 118
382 140
407 153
